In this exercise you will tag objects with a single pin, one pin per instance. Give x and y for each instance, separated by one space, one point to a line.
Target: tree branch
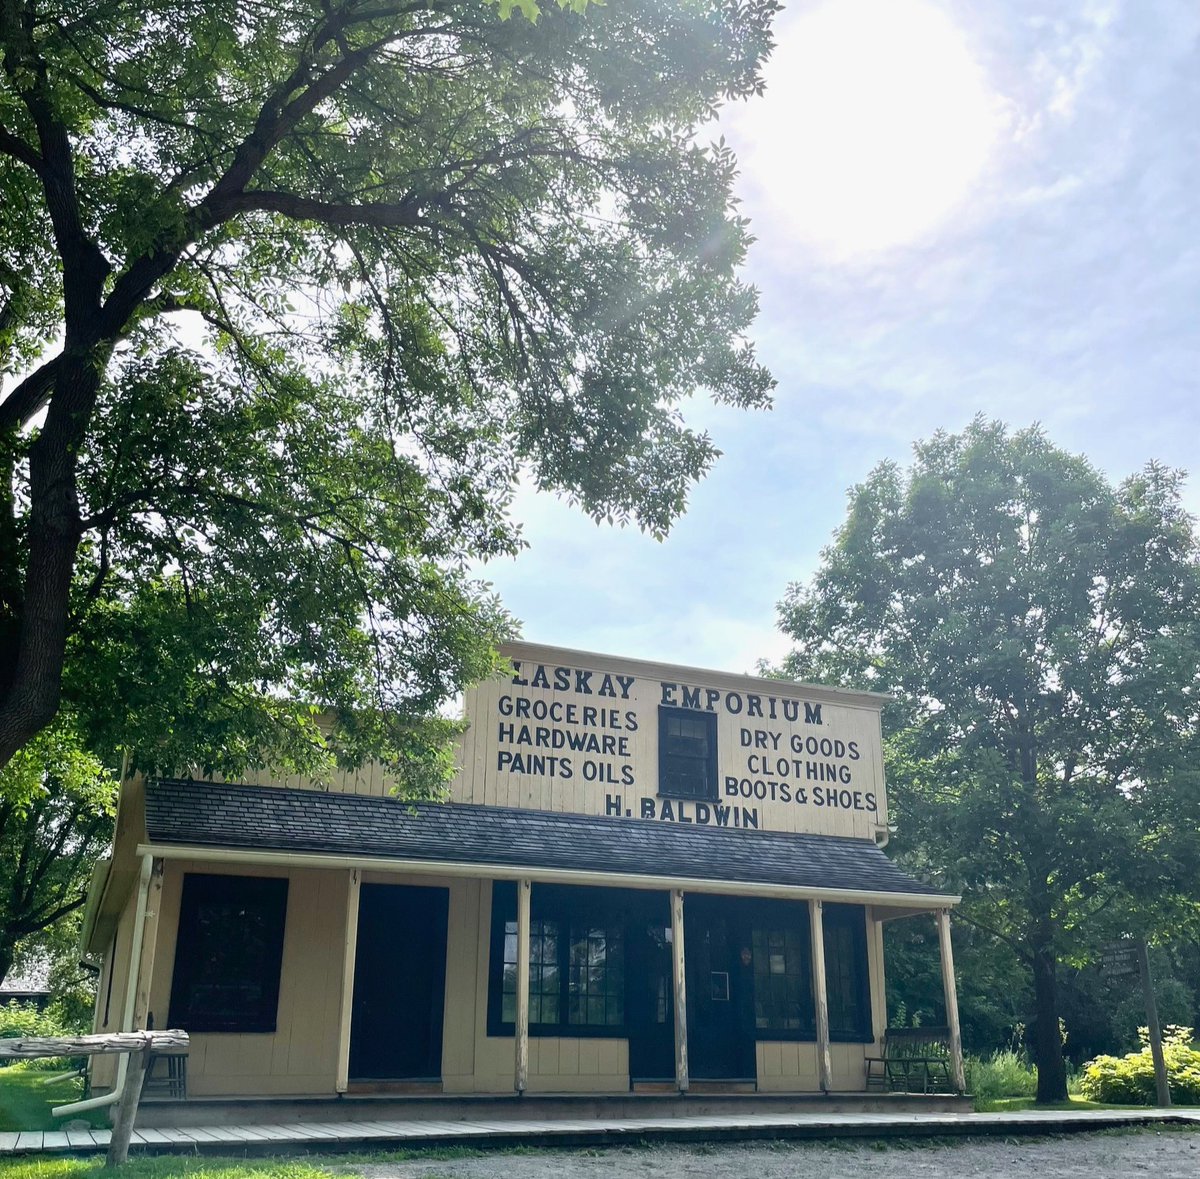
14 146
404 214
29 398
85 267
1017 948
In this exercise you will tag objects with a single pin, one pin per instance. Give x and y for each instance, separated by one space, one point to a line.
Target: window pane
782 988
687 753
845 966
596 981
229 953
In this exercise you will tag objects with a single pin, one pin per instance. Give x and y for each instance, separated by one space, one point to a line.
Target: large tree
293 294
1041 630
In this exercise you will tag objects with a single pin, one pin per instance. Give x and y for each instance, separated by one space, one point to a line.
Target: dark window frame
269 896
791 941
570 909
845 988
670 762
851 990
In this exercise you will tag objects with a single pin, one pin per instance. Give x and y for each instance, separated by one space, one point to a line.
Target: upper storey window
687 753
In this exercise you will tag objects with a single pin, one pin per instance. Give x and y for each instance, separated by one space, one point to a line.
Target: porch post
349 953
521 1077
951 992
679 983
149 934
817 929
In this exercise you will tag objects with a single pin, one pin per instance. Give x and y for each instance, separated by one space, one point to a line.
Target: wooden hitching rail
140 1044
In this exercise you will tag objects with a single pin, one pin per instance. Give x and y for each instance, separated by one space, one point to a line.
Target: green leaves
57 803
531 9
1040 629
341 274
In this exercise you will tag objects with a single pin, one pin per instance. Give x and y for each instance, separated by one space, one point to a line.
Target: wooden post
149 936
950 990
135 1074
349 952
521 1078
1163 1089
878 977
679 984
824 1059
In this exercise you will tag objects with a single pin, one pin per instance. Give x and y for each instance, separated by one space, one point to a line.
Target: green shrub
1129 1080
1003 1074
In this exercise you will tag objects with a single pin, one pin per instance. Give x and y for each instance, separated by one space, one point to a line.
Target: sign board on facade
568 731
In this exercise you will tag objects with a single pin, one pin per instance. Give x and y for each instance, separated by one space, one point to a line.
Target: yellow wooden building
646 877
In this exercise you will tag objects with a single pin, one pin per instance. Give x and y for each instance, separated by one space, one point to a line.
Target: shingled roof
223 815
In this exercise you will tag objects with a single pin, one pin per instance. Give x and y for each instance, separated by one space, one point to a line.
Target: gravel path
1165 1154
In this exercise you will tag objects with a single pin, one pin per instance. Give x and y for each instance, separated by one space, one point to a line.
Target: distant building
646 876
31 988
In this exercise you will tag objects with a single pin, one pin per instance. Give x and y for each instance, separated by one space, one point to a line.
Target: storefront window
596 983
783 998
576 981
228 954
784 1004
846 973
544 975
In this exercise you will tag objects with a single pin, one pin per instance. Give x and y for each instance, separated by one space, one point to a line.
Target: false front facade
645 877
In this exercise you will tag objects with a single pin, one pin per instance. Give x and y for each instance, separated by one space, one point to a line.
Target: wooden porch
332 1136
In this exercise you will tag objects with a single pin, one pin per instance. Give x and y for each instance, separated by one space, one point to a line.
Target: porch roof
310 825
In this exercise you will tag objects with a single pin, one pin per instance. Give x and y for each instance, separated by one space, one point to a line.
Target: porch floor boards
335 1136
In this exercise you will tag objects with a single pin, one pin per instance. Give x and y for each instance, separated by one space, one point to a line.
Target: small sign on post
1119 960
1127 959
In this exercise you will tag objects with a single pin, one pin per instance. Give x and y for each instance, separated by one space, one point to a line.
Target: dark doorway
720 991
650 1003
399 983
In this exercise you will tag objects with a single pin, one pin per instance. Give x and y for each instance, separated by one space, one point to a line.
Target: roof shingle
206 814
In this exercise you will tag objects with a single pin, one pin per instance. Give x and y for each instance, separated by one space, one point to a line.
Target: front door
650 1004
720 991
399 983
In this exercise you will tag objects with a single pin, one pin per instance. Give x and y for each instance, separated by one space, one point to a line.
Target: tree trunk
1047 1039
7 953
31 695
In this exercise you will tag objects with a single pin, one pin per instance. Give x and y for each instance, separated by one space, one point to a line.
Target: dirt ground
1165 1154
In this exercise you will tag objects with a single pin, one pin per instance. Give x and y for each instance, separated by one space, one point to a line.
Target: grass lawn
1016 1104
25 1099
165 1167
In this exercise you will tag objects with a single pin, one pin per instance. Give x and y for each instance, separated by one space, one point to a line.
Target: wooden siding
110 997
300 1056
764 763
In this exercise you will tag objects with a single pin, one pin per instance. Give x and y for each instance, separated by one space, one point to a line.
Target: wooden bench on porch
914 1060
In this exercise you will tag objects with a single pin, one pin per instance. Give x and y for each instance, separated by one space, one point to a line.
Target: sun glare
876 123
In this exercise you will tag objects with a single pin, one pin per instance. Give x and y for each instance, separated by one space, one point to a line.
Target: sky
960 209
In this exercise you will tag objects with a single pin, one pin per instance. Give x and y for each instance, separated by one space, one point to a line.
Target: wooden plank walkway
339 1136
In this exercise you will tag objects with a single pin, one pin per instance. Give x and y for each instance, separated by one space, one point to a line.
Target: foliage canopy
292 294
1041 631
57 804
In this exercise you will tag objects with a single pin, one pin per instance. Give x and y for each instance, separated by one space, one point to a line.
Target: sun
876 124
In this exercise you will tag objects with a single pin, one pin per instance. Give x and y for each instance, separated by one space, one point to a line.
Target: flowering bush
1129 1079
